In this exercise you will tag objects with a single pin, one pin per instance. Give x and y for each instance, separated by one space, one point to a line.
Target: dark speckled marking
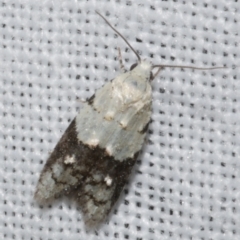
91 99
94 161
144 130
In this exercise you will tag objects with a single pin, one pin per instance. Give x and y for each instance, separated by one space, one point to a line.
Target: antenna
190 67
119 34
158 65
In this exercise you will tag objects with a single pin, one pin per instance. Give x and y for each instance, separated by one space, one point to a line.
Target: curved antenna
118 33
191 67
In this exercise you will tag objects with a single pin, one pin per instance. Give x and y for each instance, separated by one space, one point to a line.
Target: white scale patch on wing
118 114
69 159
108 180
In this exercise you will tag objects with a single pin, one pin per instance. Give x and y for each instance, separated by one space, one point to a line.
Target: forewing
94 158
88 175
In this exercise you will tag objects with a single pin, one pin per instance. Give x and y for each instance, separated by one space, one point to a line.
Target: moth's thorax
130 89
143 70
118 114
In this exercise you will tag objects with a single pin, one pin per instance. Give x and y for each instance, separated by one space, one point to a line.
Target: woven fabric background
53 54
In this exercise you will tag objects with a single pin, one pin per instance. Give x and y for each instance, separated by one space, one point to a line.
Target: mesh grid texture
186 184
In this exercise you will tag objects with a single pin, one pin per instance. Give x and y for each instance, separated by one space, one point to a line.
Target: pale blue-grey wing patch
117 115
63 169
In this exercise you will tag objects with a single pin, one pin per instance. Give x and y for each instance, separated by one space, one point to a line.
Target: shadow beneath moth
93 160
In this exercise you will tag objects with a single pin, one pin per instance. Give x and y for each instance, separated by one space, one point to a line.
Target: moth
93 160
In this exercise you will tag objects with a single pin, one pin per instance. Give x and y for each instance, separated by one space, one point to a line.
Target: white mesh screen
186 184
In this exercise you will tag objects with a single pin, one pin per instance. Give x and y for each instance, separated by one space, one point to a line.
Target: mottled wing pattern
90 176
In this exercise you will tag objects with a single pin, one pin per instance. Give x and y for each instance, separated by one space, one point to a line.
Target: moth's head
145 66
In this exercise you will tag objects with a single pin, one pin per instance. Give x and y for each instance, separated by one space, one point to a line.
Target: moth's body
94 158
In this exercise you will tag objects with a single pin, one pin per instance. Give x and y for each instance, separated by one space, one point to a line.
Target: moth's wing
103 185
94 158
61 171
89 175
